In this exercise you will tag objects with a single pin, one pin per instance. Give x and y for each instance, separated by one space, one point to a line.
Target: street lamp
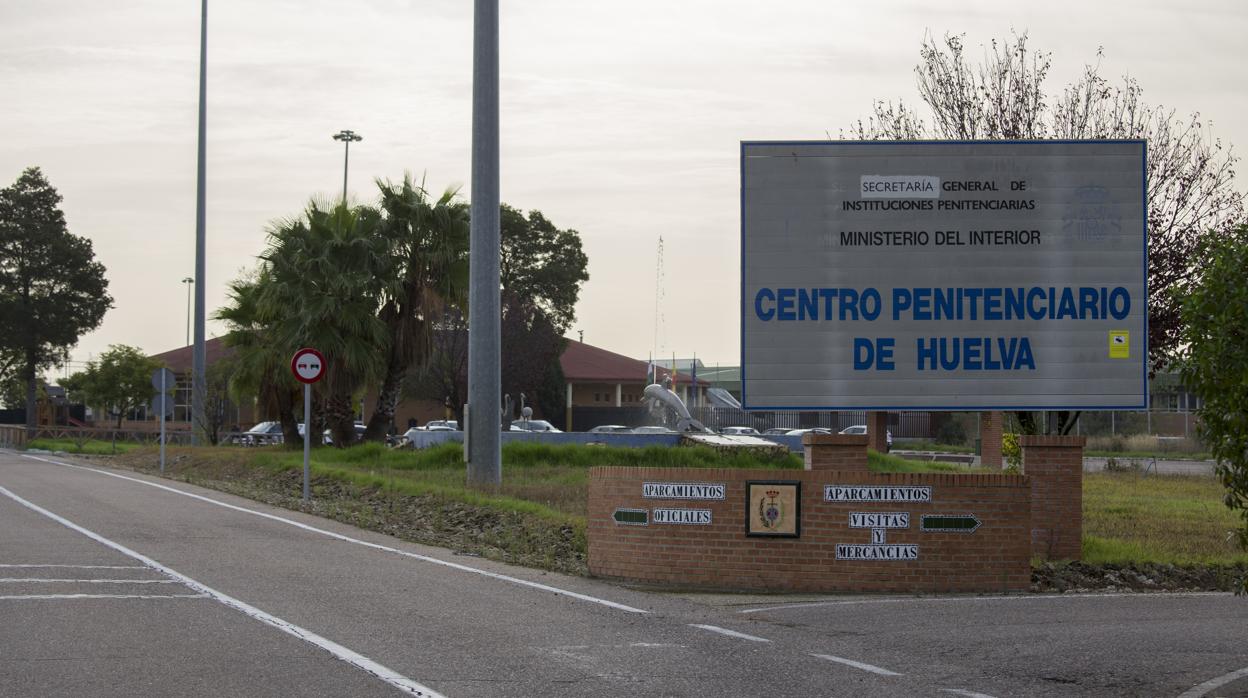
188 281
346 137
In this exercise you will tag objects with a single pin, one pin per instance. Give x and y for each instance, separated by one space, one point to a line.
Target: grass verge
87 447
1171 519
1148 455
537 517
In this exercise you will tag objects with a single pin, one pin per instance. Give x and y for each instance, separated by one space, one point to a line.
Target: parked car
862 429
776 431
262 434
360 428
610 429
740 431
653 430
536 425
812 430
326 438
442 425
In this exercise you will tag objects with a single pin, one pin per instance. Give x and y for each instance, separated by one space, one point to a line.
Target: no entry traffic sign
308 365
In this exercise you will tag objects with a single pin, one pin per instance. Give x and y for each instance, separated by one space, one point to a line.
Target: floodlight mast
483 439
198 355
347 137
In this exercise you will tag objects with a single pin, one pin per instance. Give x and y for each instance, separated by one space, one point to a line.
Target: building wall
603 394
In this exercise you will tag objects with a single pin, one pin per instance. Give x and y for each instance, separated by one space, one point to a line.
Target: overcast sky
620 120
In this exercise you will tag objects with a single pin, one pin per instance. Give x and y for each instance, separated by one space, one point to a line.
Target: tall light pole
347 137
188 281
199 362
483 438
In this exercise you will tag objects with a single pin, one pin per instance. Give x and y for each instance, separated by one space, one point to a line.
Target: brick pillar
835 452
877 431
1054 465
991 425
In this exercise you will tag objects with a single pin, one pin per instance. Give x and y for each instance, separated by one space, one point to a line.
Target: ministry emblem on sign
773 508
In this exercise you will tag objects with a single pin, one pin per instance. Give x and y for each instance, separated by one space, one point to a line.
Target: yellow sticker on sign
1119 345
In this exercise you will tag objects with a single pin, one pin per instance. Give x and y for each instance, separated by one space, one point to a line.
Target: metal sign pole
308 365
307 436
163 397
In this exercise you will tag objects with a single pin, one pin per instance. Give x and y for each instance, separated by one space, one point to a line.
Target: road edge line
349 539
342 653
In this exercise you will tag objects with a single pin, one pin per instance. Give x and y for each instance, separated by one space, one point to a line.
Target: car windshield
264 427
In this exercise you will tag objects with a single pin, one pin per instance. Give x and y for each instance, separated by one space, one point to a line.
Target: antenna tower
658 303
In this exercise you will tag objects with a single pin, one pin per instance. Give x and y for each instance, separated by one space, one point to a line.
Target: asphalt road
110 585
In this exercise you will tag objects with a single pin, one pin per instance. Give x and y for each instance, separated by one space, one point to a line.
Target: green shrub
951 432
1012 451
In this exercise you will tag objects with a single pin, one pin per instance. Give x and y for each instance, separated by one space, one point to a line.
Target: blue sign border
745 404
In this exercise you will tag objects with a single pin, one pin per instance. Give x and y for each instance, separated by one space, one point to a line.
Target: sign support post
307 437
308 365
162 404
162 424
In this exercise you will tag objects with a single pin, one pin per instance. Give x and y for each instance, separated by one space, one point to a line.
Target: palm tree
428 244
261 371
326 271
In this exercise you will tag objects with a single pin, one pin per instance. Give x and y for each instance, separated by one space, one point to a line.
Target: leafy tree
445 376
428 243
1214 364
13 395
51 288
528 369
541 270
541 265
217 404
12 392
322 276
1190 175
117 383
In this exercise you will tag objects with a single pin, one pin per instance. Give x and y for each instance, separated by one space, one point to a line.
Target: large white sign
944 275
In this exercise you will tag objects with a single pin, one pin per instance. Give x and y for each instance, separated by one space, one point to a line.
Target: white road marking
1206 687
729 633
857 665
78 567
964 692
966 599
349 656
103 596
348 539
17 580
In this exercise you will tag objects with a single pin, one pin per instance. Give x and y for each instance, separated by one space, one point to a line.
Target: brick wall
877 431
835 451
1054 465
719 554
991 425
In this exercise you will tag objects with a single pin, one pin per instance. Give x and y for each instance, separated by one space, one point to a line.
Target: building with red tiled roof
604 379
595 377
180 360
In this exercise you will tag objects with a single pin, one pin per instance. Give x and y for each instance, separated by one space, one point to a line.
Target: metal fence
948 427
